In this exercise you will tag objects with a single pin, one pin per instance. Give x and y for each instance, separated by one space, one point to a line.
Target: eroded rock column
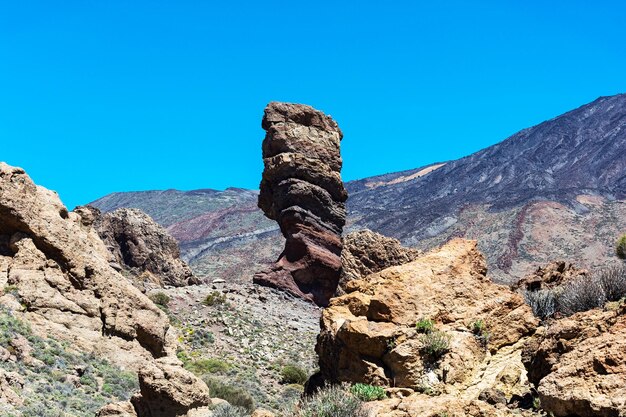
302 190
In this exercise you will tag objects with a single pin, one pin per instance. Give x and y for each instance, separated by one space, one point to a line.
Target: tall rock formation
302 190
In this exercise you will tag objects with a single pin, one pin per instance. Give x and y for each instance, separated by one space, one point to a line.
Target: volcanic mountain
553 191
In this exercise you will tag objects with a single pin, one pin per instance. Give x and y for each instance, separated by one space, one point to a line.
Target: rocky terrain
141 247
73 323
302 190
553 191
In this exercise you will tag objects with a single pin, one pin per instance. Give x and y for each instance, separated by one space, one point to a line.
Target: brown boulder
578 364
141 245
302 190
366 252
551 275
369 335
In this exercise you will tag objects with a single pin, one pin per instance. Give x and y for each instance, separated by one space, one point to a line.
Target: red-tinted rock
302 190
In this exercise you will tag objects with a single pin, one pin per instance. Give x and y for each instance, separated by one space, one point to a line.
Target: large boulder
366 252
552 275
302 190
578 364
142 246
370 334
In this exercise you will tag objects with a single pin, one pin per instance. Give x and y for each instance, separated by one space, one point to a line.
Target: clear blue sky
103 96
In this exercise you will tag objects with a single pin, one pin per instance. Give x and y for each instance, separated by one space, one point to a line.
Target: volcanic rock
578 364
366 252
552 275
369 335
302 190
59 269
141 245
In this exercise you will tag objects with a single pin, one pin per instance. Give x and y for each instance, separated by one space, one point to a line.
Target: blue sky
103 96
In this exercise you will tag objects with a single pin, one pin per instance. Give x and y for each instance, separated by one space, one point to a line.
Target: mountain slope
555 190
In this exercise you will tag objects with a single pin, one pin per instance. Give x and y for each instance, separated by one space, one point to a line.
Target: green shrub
620 248
425 325
479 328
293 374
330 401
215 298
234 395
435 344
160 299
366 392
206 366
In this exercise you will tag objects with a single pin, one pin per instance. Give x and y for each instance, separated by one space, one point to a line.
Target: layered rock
143 247
578 364
366 252
369 335
63 286
302 190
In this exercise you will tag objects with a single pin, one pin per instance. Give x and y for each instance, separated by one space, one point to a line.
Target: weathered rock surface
365 252
578 364
302 190
369 335
59 269
552 275
141 245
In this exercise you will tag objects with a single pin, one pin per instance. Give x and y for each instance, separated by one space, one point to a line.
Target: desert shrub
215 298
200 338
613 282
479 328
293 374
620 248
330 401
542 302
160 299
581 294
234 395
206 366
365 392
227 410
425 325
435 344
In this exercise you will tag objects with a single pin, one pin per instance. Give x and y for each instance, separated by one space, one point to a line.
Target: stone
369 335
552 275
578 364
366 252
141 245
302 190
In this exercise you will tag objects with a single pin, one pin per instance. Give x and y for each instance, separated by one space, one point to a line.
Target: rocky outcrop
302 190
578 364
63 286
369 335
143 247
551 275
366 252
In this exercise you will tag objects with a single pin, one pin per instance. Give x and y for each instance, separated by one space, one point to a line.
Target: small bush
435 344
293 374
479 328
227 410
542 302
366 392
613 282
581 294
160 299
234 395
207 366
620 248
425 325
330 401
213 299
